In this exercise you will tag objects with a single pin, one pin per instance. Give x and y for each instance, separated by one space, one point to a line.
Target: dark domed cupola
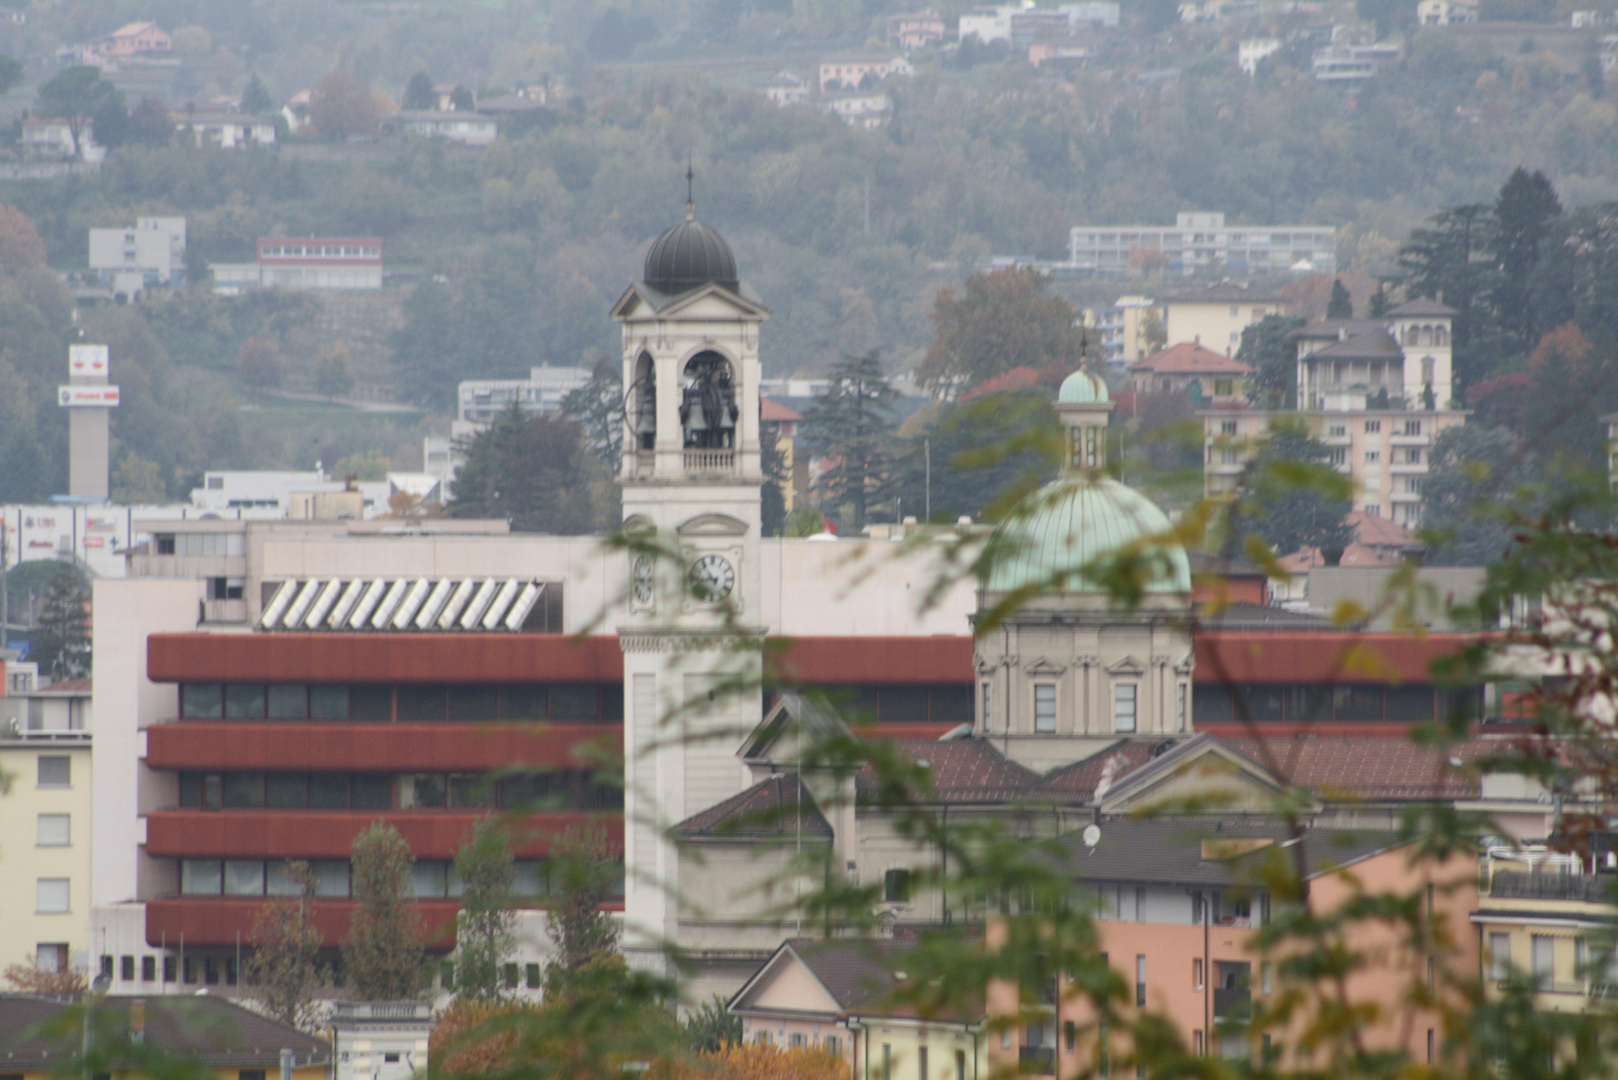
689 256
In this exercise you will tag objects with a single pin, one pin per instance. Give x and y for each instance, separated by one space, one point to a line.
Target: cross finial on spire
690 197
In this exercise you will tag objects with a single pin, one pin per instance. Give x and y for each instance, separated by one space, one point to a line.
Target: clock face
642 582
712 578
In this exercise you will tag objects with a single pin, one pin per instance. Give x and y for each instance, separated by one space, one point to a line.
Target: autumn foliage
752 1061
33 979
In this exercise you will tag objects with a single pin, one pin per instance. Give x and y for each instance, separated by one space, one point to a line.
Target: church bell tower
693 630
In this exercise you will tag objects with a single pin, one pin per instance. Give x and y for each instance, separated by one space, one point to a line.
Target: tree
850 425
1451 259
110 123
712 1026
1269 348
62 633
599 406
256 97
460 99
1477 477
1523 211
259 363
1341 305
584 870
342 106
282 969
20 245
334 374
772 508
419 94
11 72
1291 497
30 978
1153 334
150 124
537 473
76 96
137 482
371 466
383 952
486 934
977 458
614 34
1006 319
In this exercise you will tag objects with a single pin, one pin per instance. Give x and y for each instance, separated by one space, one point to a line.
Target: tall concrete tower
89 400
693 636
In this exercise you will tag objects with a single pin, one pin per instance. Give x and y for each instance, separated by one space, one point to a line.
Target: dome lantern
1083 406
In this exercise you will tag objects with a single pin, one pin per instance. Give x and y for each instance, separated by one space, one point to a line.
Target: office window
1045 707
1140 982
148 969
55 830
531 976
53 896
896 886
55 771
244 877
201 877
428 879
1123 707
171 969
126 968
1499 957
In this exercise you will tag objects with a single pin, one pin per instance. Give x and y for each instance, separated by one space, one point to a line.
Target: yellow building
1216 316
40 1041
45 822
1547 916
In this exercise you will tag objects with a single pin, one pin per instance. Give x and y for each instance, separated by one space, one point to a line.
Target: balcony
710 462
1583 888
1232 1004
1039 1060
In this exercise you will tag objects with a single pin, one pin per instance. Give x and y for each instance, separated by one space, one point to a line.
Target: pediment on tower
1127 666
1045 666
713 525
710 301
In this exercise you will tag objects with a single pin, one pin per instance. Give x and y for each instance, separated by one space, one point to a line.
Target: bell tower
692 633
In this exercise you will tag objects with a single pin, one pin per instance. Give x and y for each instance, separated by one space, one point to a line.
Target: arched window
640 404
1441 336
708 409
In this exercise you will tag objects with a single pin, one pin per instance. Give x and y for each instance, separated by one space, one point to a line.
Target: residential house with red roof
1205 376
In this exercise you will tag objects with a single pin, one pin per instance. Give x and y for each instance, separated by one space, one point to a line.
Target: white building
54 138
862 110
316 263
478 401
1022 24
785 88
150 253
1446 12
469 128
1252 50
1351 63
850 70
224 130
1201 242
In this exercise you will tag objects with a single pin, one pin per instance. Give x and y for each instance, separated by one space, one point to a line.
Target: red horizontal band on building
225 921
872 661
383 658
403 747
434 835
1321 657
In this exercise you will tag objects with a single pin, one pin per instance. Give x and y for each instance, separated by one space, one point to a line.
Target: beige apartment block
1216 316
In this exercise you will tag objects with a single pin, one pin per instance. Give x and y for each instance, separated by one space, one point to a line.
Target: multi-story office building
1201 243
316 262
150 253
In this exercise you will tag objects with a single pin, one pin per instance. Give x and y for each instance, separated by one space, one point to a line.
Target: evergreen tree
1269 348
461 100
851 425
419 93
537 473
1451 259
62 634
1341 304
772 497
383 951
486 934
599 406
76 96
1478 472
1291 497
1524 211
256 97
282 969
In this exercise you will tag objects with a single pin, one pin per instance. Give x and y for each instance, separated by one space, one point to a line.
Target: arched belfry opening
640 403
708 409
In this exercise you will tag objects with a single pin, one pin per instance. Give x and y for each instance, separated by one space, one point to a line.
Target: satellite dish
1092 835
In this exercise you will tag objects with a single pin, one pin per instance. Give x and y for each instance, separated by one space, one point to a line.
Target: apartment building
152 252
45 749
1127 327
1200 242
1214 317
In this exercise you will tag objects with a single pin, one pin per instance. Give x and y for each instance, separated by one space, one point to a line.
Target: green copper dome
1070 524
1082 388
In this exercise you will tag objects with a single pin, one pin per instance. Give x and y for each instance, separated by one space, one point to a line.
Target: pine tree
1270 350
851 425
1524 211
487 931
419 94
1341 304
62 638
256 97
383 952
282 970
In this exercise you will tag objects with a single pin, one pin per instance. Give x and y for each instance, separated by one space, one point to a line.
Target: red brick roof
1190 358
771 807
1369 767
1078 782
962 770
773 412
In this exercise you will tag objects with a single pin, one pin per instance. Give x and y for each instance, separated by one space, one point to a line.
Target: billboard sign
74 397
87 361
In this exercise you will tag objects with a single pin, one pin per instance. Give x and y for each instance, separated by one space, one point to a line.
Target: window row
297 701
210 970
384 791
428 880
905 704
1303 703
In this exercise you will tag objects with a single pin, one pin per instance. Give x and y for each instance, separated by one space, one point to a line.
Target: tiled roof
1190 358
1367 766
1340 329
773 412
1421 307
217 1031
68 686
1373 530
853 972
962 770
776 806
1078 782
1376 345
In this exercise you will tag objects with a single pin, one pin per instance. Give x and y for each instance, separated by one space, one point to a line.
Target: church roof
777 806
962 771
688 256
